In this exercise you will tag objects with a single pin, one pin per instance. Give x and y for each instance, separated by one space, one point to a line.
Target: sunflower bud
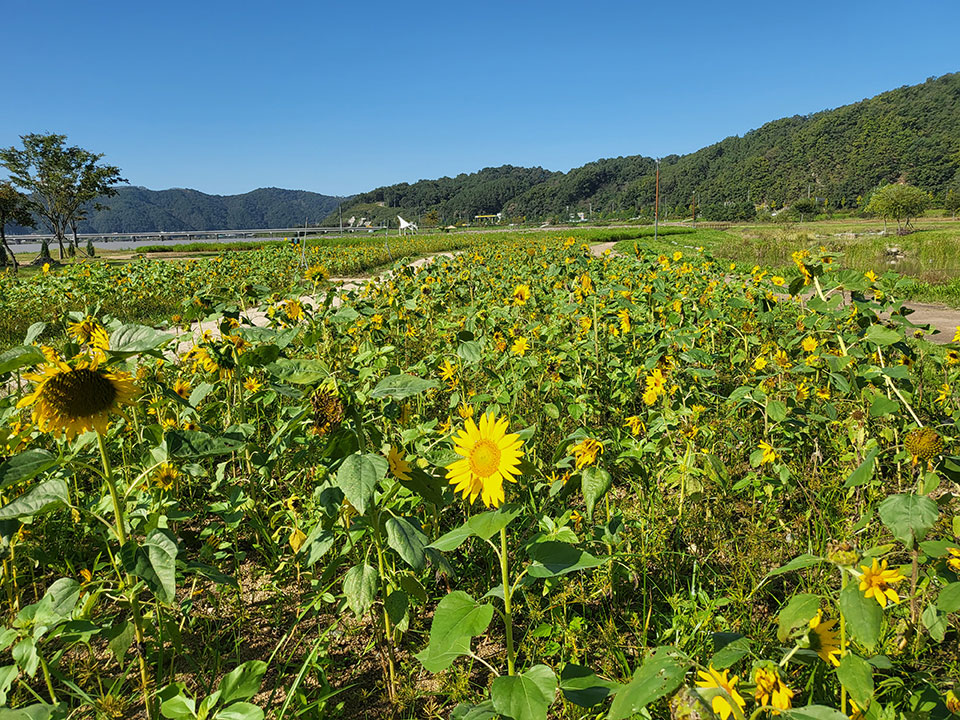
842 554
923 444
328 410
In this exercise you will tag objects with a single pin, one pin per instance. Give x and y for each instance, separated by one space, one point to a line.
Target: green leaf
471 352
404 537
119 638
909 517
240 711
582 687
457 619
358 477
777 411
41 498
26 466
399 387
154 562
299 371
949 598
199 393
880 335
882 405
34 332
483 711
798 563
863 615
526 696
864 473
935 622
20 356
595 482
194 443
661 674
558 558
798 612
815 712
179 707
483 525
317 543
856 675
242 682
396 605
132 339
733 651
360 588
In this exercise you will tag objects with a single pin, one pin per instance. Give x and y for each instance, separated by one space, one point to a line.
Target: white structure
407 227
351 221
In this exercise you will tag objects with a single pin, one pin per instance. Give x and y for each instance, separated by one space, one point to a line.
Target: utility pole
656 206
340 208
694 209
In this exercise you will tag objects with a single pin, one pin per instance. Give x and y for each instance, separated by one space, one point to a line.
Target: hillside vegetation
838 156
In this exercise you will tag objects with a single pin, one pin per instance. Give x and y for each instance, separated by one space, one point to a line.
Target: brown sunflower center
80 393
484 458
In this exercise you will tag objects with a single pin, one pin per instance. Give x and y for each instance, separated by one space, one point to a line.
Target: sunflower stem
121 532
507 597
843 640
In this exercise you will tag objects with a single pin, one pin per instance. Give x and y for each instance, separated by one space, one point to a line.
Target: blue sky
341 98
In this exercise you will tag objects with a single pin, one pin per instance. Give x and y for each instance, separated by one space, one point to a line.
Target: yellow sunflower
771 690
721 702
824 639
876 581
488 456
71 399
399 467
165 475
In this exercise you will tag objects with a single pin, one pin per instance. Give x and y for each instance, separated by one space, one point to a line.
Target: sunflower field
522 482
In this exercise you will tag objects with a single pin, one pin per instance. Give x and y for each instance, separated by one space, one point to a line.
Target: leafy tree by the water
59 179
13 209
900 202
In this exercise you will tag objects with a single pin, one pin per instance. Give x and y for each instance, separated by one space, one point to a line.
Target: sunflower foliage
520 481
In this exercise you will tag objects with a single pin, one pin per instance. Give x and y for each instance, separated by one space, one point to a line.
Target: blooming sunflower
586 452
399 467
771 690
182 388
721 701
521 293
520 346
824 639
876 581
71 399
164 475
488 456
954 560
769 454
252 385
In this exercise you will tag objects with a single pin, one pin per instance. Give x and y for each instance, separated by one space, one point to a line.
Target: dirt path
940 317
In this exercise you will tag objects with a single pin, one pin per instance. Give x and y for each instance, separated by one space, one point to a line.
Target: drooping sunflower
399 467
586 452
771 690
488 456
69 399
824 639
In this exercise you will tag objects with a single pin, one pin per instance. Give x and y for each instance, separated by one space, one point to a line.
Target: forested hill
911 134
137 209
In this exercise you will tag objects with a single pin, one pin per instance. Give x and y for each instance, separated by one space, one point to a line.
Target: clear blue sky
343 97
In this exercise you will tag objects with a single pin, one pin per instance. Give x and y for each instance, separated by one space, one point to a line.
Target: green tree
901 202
952 202
806 207
13 208
59 180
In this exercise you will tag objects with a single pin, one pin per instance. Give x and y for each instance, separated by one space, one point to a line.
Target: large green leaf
594 482
41 498
240 711
880 335
798 563
554 558
26 466
815 712
457 619
483 525
909 517
299 371
798 612
526 696
661 674
360 587
406 538
399 387
132 339
949 598
856 675
242 682
470 352
358 477
20 356
863 615
194 444
154 562
582 687
864 471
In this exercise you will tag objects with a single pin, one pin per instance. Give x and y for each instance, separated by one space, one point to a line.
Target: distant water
29 247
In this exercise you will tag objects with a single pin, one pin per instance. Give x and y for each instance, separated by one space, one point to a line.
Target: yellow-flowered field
528 480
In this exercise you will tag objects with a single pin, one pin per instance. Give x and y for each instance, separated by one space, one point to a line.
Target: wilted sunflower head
328 410
923 443
69 399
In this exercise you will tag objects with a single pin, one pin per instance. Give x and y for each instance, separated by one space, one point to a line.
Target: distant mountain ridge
840 155
137 209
